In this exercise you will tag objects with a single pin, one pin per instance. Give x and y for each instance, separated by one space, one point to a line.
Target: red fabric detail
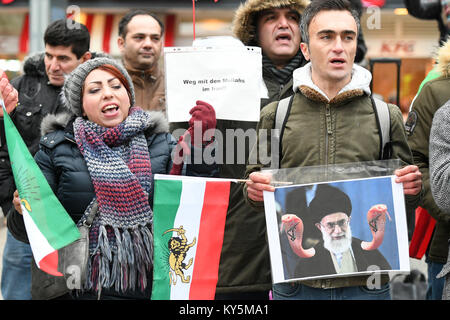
422 233
169 38
49 264
210 241
89 22
24 35
378 3
107 34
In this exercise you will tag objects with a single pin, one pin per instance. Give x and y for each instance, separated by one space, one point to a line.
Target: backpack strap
384 124
283 109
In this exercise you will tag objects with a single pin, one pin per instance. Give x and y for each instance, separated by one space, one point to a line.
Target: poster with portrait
228 78
337 228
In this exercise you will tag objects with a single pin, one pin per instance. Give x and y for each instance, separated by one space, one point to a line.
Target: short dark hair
317 6
138 12
259 14
67 32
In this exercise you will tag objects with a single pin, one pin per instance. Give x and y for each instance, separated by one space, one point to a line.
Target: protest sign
228 78
337 228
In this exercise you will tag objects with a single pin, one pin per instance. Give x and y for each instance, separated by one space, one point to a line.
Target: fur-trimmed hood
244 24
52 122
358 85
443 58
34 65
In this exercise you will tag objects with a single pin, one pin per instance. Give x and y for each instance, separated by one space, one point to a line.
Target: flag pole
193 17
272 182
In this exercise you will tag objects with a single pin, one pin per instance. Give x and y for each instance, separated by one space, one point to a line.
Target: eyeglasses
342 224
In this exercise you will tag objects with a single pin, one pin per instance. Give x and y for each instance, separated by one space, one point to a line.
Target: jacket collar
358 85
149 74
34 65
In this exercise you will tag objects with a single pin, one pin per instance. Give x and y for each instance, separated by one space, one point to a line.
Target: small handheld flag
48 225
189 222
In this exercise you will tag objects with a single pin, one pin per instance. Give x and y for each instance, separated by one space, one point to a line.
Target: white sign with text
228 78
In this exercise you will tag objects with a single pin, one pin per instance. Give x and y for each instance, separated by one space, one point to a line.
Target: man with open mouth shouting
332 119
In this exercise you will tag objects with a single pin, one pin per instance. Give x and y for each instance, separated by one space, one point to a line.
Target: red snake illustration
293 227
376 217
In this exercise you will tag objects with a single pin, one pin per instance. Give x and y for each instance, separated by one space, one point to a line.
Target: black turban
329 200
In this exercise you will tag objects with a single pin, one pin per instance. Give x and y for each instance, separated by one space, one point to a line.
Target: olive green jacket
431 97
320 131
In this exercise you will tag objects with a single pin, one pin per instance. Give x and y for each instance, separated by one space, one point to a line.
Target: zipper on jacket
281 90
70 140
329 130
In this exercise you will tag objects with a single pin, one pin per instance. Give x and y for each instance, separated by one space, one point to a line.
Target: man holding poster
244 271
332 121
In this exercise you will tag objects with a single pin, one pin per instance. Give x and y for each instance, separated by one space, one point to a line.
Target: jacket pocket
27 119
286 290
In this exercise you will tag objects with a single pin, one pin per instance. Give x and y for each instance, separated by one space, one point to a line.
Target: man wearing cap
338 251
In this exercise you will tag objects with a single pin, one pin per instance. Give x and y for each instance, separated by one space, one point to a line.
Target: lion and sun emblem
178 247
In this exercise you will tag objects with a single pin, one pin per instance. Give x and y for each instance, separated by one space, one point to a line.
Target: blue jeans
16 272
297 291
435 286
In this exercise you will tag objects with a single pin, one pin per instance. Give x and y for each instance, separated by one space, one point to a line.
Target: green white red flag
47 223
188 222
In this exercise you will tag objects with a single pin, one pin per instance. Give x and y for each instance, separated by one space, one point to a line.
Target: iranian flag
47 223
189 221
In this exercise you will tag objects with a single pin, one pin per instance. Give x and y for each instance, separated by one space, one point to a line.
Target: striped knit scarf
120 239
283 75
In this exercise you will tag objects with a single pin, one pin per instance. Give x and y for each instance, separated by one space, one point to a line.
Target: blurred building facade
389 32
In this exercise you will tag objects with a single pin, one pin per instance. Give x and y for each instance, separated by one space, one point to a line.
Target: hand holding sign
200 133
204 116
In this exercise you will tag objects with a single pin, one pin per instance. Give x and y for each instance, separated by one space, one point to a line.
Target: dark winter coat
433 95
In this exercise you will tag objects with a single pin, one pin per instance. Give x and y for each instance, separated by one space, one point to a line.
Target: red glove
8 93
177 160
201 127
203 120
